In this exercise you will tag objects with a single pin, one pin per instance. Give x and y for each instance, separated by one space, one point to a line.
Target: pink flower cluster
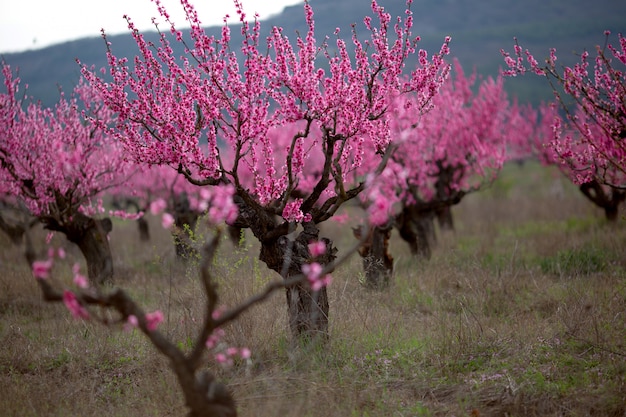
74 306
58 160
41 269
317 248
79 279
293 213
153 320
589 147
218 201
338 115
225 355
313 273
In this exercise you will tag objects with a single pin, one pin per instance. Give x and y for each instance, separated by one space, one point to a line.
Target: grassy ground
520 312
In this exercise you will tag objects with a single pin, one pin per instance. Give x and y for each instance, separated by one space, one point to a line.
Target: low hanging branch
204 395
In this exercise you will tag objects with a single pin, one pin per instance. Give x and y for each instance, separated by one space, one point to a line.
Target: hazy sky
31 24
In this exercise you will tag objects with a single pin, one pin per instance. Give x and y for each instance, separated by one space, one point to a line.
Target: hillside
478 29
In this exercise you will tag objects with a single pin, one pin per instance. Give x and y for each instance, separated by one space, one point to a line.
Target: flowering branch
592 144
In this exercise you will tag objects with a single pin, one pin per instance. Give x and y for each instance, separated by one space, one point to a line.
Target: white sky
33 24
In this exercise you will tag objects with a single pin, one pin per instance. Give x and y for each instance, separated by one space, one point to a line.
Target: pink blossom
125 215
292 212
41 269
157 206
245 353
223 359
324 281
74 306
79 279
167 220
153 320
217 313
222 208
131 323
317 248
379 211
214 338
313 272
341 218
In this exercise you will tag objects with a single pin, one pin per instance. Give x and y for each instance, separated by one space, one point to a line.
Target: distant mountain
479 28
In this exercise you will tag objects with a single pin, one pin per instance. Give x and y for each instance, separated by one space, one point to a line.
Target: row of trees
583 131
275 136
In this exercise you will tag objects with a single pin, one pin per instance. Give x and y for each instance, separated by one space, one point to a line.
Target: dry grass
521 312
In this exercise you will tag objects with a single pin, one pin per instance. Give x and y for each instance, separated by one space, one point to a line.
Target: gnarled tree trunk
185 220
307 309
416 228
16 224
445 218
91 237
605 197
377 262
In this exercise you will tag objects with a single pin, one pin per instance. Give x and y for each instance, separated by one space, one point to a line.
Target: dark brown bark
606 197
416 228
185 220
446 194
91 237
377 262
445 218
144 229
14 231
307 309
16 224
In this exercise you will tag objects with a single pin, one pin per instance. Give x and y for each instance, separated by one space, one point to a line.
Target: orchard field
520 312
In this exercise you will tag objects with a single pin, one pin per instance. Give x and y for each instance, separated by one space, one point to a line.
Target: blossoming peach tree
57 164
443 154
211 114
538 139
589 141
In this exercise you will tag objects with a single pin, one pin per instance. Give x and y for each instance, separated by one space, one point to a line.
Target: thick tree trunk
605 197
377 262
444 218
417 229
17 226
307 312
91 237
94 246
185 220
144 229
15 222
14 231
307 309
446 194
